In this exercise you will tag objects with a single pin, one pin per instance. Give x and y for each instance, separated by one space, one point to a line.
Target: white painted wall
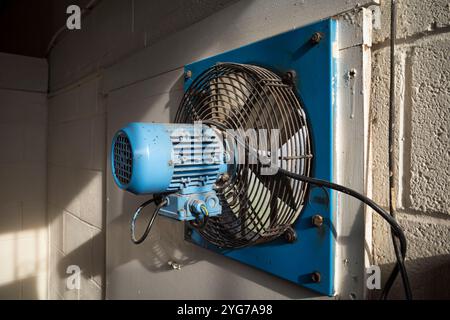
76 163
23 173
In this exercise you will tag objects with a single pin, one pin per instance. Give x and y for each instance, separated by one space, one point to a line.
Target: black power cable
397 231
150 223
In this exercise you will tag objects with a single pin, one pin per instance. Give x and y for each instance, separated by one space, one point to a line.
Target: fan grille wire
255 208
123 161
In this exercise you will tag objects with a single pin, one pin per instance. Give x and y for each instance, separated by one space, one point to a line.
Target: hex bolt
188 74
225 177
317 37
174 265
317 220
290 235
315 277
289 77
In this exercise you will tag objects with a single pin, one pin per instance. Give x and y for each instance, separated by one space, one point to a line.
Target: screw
317 37
182 213
187 74
317 220
352 73
225 177
175 266
289 77
290 235
170 163
315 277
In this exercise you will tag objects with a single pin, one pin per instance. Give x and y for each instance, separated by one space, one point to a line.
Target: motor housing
181 162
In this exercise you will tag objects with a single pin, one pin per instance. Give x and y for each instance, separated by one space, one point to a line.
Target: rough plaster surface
430 103
422 156
428 262
413 18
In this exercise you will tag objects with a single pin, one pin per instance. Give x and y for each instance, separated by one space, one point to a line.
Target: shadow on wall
162 247
23 263
166 241
429 278
27 289
23 234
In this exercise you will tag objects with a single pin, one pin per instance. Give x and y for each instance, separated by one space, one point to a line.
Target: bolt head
315 277
289 77
290 235
225 177
188 74
317 37
317 220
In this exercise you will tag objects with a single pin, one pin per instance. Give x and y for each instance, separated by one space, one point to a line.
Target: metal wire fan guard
256 208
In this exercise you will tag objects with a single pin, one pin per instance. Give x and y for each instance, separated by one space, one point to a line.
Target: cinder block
35 288
10 219
11 290
12 143
35 143
81 252
33 179
70 190
36 109
34 214
8 269
99 257
79 246
98 129
413 17
57 275
63 107
25 73
428 258
91 197
55 220
379 121
429 168
77 236
79 143
56 148
53 184
12 183
30 251
90 290
11 111
88 96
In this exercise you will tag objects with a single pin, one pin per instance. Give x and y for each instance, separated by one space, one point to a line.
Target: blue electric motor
182 162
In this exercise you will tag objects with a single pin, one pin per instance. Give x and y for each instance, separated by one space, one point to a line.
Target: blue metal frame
315 68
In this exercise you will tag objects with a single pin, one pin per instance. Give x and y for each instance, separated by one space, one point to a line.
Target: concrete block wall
23 173
117 29
422 142
76 162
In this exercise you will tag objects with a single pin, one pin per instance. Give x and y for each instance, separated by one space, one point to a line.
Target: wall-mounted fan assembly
250 201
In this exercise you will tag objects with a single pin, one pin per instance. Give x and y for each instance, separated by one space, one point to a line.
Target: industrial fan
240 163
203 169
